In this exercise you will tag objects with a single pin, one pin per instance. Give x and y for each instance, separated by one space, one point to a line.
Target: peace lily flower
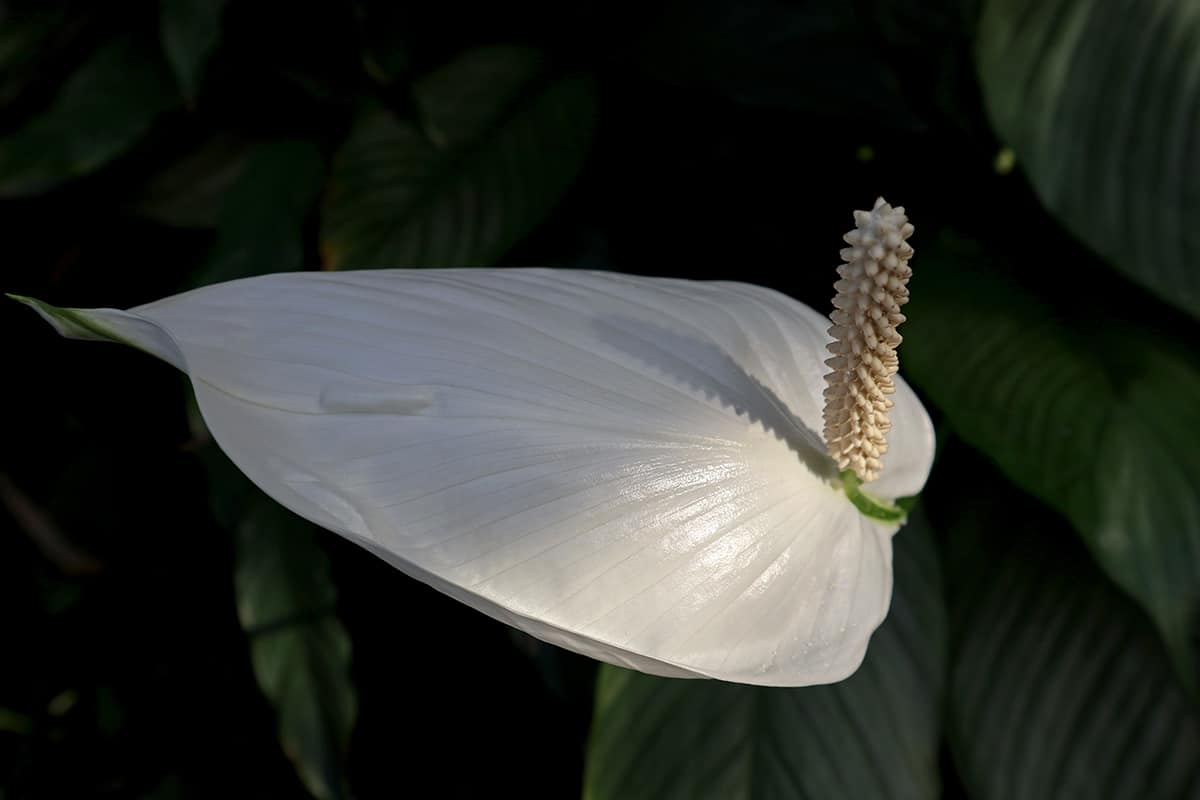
627 467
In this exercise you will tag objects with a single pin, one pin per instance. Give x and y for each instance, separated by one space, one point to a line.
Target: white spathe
626 467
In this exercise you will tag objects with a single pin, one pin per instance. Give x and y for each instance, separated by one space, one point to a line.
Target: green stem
873 507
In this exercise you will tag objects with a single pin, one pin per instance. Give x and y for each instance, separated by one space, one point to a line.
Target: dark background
732 141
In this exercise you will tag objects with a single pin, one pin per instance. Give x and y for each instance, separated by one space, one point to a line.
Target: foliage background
168 633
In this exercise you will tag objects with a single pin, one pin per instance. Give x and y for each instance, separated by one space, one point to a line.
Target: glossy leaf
99 113
1059 688
263 214
499 140
300 652
875 734
1100 99
190 31
1097 417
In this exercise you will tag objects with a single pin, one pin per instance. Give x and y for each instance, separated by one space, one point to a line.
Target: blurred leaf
262 216
570 677
99 113
1101 101
501 140
875 734
32 38
189 191
13 722
190 30
1058 689
313 47
1098 418
929 47
383 34
813 57
36 523
169 788
300 651
910 27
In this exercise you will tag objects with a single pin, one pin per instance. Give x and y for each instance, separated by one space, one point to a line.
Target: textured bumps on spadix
866 312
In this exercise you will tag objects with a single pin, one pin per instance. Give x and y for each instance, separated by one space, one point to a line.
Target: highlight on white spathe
627 467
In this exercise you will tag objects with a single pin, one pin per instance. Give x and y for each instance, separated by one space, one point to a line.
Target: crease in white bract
627 467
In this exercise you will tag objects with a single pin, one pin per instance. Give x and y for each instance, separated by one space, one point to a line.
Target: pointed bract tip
52 314
40 306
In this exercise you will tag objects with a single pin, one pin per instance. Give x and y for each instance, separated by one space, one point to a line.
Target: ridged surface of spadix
870 292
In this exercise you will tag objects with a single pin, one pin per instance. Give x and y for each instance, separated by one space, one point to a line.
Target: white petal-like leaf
627 467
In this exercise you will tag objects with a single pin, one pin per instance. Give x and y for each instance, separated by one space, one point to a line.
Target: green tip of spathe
32 302
68 322
870 506
48 312
44 310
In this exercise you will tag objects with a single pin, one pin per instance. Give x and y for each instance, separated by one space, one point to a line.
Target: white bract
626 467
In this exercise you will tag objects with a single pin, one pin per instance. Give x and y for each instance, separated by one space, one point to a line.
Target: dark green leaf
810 57
33 39
14 722
384 31
190 30
189 191
1100 100
100 112
1097 417
262 216
875 734
501 139
1058 687
300 651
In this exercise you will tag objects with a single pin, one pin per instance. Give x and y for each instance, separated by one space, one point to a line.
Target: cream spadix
873 287
627 467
